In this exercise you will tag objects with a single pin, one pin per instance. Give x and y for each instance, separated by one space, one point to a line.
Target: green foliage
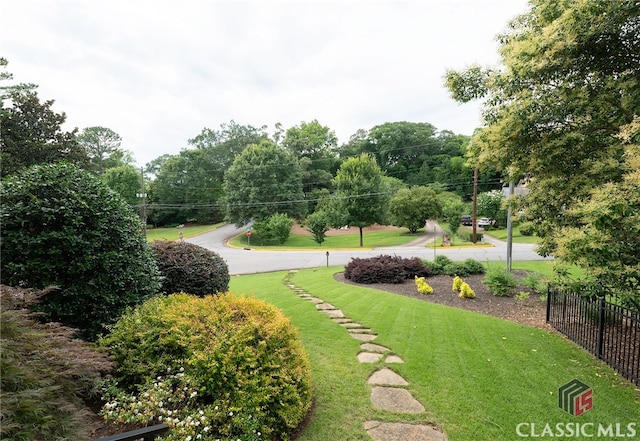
186 267
265 179
422 286
466 234
31 133
567 91
273 229
607 242
411 207
46 374
492 204
452 210
124 180
443 265
318 223
536 282
457 283
358 186
235 355
466 292
61 226
526 228
500 281
103 148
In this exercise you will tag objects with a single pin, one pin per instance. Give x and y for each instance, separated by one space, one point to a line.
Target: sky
158 72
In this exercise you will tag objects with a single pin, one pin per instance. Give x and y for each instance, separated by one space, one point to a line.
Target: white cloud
157 72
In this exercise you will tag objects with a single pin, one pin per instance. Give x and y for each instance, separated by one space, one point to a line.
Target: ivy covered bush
63 227
190 268
214 367
385 269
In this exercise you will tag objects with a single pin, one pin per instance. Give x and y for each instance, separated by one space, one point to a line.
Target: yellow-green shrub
240 357
457 282
423 286
466 292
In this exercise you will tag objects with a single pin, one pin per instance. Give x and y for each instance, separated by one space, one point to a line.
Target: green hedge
239 359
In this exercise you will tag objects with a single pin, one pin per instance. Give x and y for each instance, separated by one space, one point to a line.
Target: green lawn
477 376
516 237
373 239
174 232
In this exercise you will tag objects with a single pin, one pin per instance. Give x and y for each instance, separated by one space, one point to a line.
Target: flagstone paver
381 431
363 337
325 306
369 357
393 359
394 399
386 377
372 347
336 313
384 396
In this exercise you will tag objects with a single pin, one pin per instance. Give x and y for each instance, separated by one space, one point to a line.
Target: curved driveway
243 261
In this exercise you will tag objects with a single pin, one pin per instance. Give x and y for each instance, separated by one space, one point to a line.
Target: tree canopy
570 81
103 148
263 180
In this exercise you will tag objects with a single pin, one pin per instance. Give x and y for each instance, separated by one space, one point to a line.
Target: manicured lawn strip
478 376
374 239
544 267
516 237
173 233
342 402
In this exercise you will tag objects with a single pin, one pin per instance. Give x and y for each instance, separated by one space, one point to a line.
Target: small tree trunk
360 236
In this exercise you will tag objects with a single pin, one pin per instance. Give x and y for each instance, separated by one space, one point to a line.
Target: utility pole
143 196
509 227
475 204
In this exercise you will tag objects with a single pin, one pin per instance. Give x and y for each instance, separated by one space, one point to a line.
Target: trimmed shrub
186 267
63 227
500 281
422 286
47 375
466 234
466 292
275 228
474 267
385 269
444 265
233 363
457 283
526 228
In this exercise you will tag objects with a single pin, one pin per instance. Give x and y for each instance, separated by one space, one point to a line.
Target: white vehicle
486 222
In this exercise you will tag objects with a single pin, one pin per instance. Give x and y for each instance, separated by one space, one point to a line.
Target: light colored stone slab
381 431
335 313
386 377
371 347
351 325
394 399
393 359
363 337
360 331
369 357
325 306
341 320
315 300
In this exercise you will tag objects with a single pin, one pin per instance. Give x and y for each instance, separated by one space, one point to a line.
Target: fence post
601 319
548 303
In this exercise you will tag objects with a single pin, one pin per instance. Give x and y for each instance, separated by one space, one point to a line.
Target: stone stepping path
388 389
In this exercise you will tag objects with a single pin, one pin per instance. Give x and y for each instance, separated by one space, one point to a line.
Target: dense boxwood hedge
233 363
190 268
63 227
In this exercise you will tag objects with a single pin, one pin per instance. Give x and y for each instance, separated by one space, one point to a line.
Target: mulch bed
531 311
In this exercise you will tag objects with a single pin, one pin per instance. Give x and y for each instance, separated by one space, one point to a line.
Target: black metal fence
610 332
145 434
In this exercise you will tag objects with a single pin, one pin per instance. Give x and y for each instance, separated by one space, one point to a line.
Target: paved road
242 261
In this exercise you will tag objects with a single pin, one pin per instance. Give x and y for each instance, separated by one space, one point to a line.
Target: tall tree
103 147
264 180
315 146
360 192
571 80
31 133
124 180
411 207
